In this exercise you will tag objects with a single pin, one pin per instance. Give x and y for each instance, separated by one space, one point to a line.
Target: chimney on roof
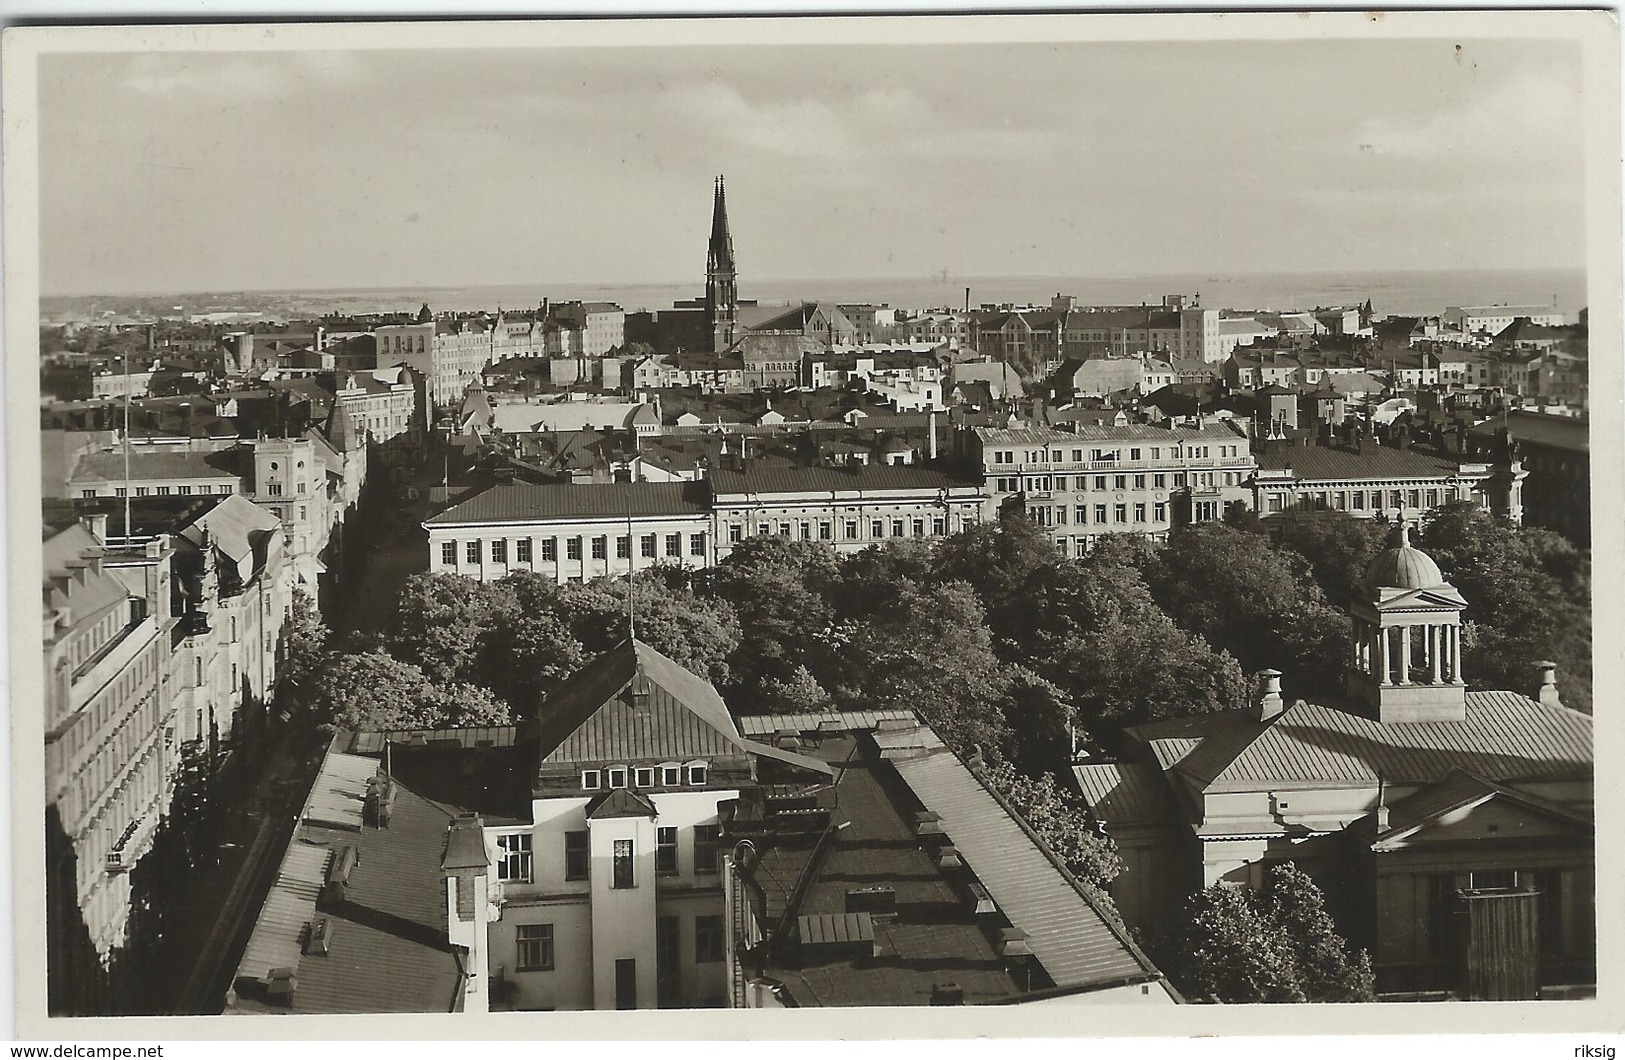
1546 691
465 868
280 985
1270 703
949 993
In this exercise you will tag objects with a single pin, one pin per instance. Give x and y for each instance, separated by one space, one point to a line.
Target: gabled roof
622 802
1538 428
588 720
1126 793
1505 736
238 529
1459 791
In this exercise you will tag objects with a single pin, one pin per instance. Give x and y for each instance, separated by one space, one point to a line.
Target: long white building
580 532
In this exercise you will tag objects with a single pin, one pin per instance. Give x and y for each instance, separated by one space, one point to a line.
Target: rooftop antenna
631 566
128 533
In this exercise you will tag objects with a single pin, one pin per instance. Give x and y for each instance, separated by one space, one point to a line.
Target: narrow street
223 901
391 560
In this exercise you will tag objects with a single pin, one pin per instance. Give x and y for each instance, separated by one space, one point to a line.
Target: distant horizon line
906 278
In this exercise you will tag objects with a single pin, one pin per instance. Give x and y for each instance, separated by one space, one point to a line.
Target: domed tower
1406 653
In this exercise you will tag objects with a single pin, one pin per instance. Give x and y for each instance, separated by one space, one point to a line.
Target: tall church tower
721 296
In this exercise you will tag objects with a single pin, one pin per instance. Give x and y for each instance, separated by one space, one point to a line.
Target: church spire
721 296
721 252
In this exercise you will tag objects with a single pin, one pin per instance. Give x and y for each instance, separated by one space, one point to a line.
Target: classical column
1384 647
1356 643
1404 655
1435 650
1455 654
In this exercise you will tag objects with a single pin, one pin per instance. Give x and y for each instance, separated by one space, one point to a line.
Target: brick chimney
1270 703
466 869
1546 687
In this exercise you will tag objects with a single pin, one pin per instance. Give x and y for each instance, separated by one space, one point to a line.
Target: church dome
1403 567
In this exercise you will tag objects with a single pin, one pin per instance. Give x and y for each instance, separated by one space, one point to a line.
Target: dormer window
671 776
644 776
591 779
617 777
697 773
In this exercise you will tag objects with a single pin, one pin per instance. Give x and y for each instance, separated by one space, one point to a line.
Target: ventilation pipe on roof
1270 703
1546 690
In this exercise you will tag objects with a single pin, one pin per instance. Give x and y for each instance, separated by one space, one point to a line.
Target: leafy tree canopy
1277 944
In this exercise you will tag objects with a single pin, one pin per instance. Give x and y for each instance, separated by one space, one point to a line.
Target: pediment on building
1466 808
1438 598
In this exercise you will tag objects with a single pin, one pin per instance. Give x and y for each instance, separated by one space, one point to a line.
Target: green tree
780 591
535 649
1277 944
460 704
1062 821
999 561
1528 598
368 691
1102 641
1338 549
443 624
800 693
1042 723
1254 600
371 691
928 649
698 633
305 640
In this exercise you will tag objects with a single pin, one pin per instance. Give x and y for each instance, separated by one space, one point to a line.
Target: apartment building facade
111 744
1079 485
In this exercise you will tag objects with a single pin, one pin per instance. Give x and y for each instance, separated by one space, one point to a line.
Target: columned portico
1407 639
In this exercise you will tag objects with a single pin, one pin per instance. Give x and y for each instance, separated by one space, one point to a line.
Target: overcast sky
187 172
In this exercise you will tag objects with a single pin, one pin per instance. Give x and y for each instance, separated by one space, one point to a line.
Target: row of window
1357 500
851 529
1080 514
649 547
515 861
694 774
1056 456
164 491
537 952
1101 483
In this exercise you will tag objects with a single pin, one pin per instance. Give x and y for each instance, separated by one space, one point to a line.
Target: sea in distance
1391 292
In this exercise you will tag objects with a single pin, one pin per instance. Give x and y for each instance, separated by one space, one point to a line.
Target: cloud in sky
238 76
298 169
1527 116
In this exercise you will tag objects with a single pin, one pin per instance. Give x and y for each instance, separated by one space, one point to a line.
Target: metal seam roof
1504 736
1067 934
